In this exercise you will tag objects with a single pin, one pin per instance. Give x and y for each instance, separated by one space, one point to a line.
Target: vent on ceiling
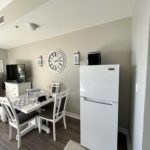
2 19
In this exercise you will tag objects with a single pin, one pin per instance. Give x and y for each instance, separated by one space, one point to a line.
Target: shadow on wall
124 59
28 67
132 103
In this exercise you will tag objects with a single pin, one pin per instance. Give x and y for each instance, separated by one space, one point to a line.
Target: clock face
56 61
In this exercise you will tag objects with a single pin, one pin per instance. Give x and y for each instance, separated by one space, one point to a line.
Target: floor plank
43 141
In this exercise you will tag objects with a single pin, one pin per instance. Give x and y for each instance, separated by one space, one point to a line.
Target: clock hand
58 60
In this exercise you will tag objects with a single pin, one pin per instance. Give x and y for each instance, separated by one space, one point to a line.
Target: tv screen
16 72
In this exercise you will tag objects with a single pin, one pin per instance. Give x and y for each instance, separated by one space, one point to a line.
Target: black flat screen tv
16 72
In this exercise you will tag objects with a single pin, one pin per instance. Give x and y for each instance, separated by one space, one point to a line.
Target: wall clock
57 60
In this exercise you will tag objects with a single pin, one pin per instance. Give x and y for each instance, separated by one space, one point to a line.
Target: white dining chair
54 88
16 121
57 113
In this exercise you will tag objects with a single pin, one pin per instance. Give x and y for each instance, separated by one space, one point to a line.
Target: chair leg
46 123
36 122
10 132
64 120
19 138
54 131
39 126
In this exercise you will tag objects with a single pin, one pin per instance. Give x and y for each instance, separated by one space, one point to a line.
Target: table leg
45 128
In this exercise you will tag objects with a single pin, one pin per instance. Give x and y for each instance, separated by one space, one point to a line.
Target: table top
28 105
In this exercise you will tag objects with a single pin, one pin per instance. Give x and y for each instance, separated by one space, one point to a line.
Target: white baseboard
72 115
125 131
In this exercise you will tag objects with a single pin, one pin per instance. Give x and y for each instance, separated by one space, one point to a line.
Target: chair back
60 103
9 110
54 87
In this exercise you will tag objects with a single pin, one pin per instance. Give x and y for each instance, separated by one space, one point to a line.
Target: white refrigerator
99 94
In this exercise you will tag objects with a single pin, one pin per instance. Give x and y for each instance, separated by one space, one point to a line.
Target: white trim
125 131
72 115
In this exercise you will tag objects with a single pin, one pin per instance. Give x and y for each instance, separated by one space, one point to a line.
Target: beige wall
140 121
113 39
3 55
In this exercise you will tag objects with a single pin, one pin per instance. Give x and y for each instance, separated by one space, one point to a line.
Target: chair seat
17 111
48 106
47 114
22 117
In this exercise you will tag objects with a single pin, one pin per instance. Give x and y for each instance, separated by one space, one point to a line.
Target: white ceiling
58 17
4 3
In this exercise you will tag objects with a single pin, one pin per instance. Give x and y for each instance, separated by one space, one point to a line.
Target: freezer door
100 82
99 125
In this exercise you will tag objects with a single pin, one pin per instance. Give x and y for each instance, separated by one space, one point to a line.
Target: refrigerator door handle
92 100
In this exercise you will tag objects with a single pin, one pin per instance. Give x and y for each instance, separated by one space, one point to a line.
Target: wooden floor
43 141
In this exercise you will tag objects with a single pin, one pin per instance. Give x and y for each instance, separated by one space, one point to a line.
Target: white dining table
27 105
